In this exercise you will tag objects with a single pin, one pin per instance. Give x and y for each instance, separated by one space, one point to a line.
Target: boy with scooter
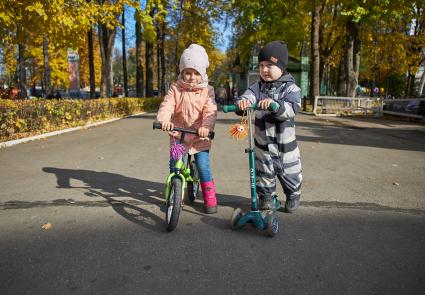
276 149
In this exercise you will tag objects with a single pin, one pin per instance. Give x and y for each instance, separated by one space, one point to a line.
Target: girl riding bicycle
190 104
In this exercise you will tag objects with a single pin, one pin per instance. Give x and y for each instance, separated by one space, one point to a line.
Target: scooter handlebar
157 125
234 108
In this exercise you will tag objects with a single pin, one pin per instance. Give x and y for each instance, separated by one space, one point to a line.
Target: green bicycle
184 175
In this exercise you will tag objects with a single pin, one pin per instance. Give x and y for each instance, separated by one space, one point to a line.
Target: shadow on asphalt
395 138
337 132
112 187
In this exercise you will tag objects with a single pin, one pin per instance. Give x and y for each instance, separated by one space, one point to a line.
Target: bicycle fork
182 171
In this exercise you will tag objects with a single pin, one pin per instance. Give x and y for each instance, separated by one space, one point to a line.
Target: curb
9 143
306 113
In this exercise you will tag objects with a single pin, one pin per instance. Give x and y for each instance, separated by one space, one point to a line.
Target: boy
276 149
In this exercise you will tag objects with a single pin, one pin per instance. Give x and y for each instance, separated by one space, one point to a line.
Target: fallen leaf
46 226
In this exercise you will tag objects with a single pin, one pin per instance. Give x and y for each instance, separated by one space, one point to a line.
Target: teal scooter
262 220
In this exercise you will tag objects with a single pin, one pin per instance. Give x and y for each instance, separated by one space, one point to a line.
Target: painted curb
58 132
306 113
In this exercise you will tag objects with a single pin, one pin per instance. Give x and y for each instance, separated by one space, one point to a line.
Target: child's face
191 76
269 71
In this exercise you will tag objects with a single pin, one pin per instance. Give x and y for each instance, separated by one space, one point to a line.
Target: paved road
360 230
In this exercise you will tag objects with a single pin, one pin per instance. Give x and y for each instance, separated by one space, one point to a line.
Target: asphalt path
360 228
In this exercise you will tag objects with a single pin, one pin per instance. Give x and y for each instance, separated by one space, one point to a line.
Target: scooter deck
254 217
258 217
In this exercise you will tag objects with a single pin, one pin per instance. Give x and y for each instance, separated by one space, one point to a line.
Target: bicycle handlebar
157 125
234 108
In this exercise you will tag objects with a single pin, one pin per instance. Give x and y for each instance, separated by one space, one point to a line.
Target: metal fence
346 106
413 108
368 106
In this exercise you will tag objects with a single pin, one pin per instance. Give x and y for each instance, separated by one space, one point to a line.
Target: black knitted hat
275 52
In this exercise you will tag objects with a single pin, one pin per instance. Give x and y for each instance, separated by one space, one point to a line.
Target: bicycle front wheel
174 204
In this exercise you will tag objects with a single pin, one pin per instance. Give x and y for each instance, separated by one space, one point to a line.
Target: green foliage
259 23
396 84
191 22
391 33
20 118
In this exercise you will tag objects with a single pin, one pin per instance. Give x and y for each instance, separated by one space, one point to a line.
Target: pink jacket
190 108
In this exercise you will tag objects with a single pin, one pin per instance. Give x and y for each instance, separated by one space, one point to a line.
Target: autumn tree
42 23
191 22
138 55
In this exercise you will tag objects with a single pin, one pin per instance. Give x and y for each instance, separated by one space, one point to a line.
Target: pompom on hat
195 57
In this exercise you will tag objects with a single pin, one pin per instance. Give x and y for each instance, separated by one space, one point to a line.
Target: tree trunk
106 40
149 67
342 86
124 55
22 73
91 64
47 84
139 67
329 90
158 58
149 56
176 47
322 73
422 83
350 61
315 54
356 57
162 54
321 51
158 68
410 84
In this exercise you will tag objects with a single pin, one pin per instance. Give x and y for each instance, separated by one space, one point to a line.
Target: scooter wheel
272 225
236 216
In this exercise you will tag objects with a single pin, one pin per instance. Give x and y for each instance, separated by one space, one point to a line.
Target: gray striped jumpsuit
276 149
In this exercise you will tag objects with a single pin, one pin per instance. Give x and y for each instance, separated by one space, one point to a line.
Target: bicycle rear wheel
174 204
193 187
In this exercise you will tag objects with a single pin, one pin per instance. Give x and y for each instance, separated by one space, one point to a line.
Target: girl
190 104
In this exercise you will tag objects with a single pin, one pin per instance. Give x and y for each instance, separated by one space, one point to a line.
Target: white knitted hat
195 57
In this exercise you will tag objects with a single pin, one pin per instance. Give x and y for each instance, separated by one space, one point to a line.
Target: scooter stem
252 176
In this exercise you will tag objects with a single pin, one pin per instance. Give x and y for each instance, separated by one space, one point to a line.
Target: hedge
21 118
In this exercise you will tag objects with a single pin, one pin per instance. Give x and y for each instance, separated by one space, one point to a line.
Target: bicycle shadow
113 187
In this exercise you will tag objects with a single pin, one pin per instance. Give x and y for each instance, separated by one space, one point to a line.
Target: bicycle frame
182 166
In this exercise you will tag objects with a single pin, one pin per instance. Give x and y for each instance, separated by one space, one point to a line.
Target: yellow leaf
47 226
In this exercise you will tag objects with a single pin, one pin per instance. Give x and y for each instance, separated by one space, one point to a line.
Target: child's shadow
111 186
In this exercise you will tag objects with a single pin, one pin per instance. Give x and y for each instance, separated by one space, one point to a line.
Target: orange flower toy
240 130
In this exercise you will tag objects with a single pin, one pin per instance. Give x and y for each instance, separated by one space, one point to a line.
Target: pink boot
208 192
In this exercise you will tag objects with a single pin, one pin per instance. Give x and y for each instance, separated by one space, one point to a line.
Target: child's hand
167 126
173 133
265 103
243 104
203 132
